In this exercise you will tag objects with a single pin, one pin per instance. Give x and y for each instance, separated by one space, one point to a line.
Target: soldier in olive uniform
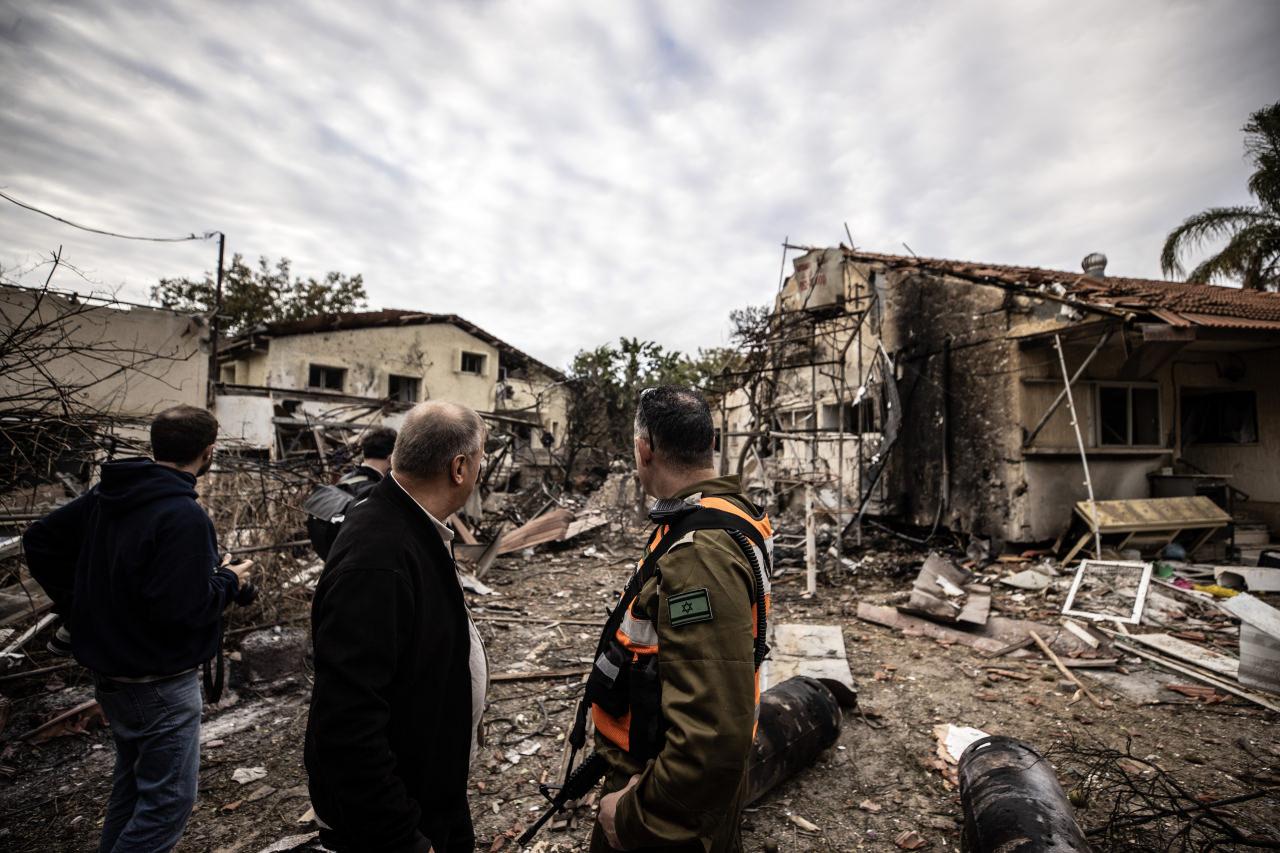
684 652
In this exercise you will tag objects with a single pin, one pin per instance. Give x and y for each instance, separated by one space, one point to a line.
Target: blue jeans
156 727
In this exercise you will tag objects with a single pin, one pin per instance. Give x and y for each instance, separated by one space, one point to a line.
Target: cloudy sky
564 173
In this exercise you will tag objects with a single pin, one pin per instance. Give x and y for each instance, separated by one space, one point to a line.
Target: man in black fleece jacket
132 567
400 673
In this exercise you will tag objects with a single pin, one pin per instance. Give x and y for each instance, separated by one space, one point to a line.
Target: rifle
576 786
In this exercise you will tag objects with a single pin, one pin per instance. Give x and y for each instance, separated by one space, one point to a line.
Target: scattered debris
816 651
802 824
244 775
947 593
909 839
1259 641
75 721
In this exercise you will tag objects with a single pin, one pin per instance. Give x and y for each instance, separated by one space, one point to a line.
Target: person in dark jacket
327 506
400 674
132 566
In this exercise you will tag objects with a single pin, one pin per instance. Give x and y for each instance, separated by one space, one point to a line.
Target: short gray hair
433 434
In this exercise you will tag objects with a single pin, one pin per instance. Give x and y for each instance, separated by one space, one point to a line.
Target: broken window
844 416
795 419
403 389
473 362
326 378
1219 417
1128 415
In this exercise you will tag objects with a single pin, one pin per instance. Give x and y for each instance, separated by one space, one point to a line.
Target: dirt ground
874 785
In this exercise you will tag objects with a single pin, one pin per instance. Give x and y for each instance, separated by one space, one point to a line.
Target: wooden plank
541 675
1200 675
1191 653
1153 514
465 536
546 528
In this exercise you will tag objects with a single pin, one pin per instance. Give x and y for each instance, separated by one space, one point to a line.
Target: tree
267 294
1252 252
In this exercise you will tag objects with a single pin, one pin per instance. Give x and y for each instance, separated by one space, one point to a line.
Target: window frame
484 362
416 384
342 377
1098 387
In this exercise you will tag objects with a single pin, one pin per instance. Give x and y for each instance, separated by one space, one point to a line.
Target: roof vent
1094 264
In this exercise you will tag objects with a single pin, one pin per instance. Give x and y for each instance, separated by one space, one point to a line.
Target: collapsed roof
1174 302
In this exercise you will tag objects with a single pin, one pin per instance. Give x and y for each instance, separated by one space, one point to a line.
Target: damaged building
296 388
933 392
81 376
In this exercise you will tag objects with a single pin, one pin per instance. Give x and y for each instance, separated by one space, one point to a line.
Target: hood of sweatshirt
131 483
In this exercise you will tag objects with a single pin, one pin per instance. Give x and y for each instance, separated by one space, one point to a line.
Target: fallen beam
540 675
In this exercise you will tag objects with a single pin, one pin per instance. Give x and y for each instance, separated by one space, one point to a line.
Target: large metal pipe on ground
1013 803
799 718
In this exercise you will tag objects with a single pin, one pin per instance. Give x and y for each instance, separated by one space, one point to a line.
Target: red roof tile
1204 304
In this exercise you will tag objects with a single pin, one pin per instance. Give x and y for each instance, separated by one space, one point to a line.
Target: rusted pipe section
799 718
1013 803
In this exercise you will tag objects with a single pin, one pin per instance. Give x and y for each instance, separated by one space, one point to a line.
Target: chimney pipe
1094 265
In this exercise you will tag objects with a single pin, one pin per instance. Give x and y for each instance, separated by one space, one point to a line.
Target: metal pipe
1012 801
1084 457
799 718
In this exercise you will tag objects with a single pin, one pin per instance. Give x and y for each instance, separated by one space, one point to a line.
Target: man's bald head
434 434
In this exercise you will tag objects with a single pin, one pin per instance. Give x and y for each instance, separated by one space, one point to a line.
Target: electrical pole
214 323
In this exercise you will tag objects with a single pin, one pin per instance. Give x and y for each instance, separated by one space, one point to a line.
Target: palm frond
1262 143
1243 258
1212 224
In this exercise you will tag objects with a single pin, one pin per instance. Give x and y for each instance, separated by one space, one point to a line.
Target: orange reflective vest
623 688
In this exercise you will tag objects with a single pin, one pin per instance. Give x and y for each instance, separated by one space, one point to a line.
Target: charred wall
954 461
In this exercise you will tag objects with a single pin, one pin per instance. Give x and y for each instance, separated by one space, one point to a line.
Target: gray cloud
565 173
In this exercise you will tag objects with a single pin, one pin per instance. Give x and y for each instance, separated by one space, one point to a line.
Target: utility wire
206 236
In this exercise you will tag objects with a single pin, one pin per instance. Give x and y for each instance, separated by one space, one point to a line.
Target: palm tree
1252 253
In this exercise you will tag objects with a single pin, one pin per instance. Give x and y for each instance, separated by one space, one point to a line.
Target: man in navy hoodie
132 566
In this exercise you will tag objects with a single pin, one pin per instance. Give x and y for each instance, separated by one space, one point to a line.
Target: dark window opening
844 417
473 362
403 389
326 378
1128 415
1219 417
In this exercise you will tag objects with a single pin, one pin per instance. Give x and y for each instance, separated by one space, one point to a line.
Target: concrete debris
815 651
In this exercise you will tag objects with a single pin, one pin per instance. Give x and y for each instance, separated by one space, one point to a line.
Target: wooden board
1209 659
1162 519
1154 514
545 528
